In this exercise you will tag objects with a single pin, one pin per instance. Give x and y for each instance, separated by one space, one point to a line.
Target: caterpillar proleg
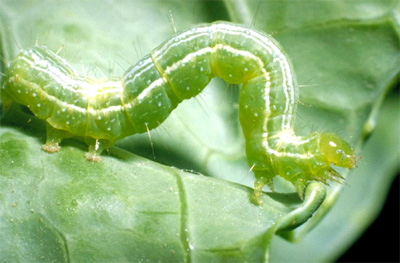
104 111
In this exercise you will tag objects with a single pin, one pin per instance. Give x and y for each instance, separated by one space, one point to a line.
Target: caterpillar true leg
261 180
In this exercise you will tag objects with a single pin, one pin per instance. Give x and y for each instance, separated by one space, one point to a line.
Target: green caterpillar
104 111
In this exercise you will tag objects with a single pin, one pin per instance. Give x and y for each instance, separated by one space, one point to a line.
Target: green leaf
127 208
64 208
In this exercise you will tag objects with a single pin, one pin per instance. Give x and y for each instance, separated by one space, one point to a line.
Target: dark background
380 243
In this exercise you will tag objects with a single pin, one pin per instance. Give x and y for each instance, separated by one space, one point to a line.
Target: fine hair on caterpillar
104 111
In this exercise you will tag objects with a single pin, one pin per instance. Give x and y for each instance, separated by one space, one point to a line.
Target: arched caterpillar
103 111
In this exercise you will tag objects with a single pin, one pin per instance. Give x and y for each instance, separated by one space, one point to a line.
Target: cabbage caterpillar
104 111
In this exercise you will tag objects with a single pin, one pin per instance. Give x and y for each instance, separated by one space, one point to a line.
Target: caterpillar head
337 151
